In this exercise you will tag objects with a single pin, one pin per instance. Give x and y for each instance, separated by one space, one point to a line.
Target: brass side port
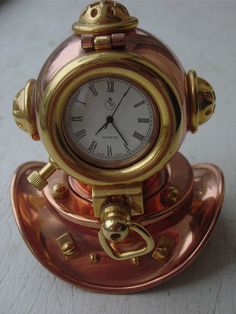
23 109
202 100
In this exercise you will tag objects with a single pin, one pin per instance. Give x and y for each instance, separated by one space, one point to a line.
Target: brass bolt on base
160 254
59 191
163 249
66 245
94 258
169 195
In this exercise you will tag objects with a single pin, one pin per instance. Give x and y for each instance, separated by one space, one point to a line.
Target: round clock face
110 122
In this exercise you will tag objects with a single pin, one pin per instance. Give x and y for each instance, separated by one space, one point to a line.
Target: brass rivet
160 253
163 249
94 258
170 194
59 190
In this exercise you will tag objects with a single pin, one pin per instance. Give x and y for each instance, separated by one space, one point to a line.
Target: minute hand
112 123
121 101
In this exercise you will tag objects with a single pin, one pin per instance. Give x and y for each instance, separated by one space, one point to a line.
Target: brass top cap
104 17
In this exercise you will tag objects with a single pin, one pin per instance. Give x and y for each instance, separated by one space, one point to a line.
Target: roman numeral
138 136
78 118
92 146
81 102
80 134
109 151
93 90
126 148
143 120
110 86
139 104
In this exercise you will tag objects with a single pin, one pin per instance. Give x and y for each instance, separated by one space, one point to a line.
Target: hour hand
102 127
109 120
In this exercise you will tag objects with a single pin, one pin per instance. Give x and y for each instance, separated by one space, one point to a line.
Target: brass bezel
129 66
135 158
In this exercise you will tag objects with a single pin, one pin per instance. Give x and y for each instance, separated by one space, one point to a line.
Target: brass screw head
163 249
94 258
68 248
66 244
160 254
170 195
59 191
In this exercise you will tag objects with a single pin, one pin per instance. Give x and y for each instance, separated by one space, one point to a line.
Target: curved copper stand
181 209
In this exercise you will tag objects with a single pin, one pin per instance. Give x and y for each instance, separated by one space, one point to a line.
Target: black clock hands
109 120
102 127
121 101
117 108
112 123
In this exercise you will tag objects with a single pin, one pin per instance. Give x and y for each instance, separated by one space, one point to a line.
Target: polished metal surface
187 224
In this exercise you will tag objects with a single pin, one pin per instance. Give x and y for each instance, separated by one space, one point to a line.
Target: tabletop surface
202 34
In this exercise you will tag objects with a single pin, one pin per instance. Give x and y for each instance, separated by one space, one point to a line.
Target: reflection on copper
138 42
189 222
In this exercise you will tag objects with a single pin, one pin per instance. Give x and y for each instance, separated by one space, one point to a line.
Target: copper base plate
40 225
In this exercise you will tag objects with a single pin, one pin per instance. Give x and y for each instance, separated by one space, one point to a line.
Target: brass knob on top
23 110
39 178
202 100
104 17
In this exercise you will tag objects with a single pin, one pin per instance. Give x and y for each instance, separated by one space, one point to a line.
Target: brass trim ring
131 67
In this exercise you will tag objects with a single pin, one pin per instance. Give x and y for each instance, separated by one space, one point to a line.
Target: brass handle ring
129 254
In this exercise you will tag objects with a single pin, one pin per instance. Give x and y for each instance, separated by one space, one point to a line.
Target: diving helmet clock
117 208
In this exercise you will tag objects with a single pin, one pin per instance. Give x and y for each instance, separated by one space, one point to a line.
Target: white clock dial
110 120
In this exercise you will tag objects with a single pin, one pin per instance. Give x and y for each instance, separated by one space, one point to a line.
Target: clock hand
109 120
111 117
121 101
101 128
119 133
104 126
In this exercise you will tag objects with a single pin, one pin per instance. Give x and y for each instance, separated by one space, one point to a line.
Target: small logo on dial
110 104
